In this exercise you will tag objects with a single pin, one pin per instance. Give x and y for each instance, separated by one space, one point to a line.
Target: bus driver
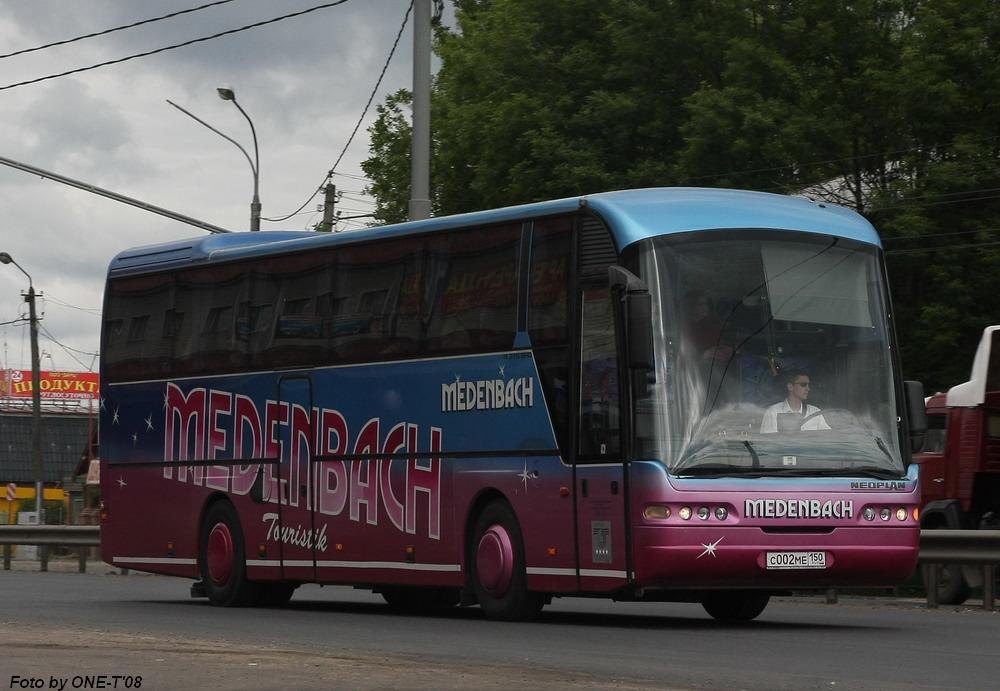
793 413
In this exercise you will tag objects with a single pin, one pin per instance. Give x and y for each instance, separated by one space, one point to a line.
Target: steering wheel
835 412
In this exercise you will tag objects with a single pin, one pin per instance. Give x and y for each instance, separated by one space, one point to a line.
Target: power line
69 351
938 203
114 29
176 45
343 151
881 154
938 248
353 177
88 310
941 235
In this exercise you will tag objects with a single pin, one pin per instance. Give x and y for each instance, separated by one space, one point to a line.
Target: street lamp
36 391
226 93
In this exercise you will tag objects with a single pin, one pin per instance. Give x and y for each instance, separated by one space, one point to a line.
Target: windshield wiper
858 471
882 447
753 453
720 469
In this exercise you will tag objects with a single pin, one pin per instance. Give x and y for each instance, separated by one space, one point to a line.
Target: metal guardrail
82 536
980 547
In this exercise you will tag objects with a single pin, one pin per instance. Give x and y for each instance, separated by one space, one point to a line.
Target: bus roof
631 215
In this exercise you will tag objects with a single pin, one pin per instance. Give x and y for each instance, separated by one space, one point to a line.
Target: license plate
796 560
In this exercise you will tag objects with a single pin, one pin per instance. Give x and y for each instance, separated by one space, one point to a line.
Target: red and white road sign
11 491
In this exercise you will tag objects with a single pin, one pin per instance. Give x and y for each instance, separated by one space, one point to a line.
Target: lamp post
226 93
36 391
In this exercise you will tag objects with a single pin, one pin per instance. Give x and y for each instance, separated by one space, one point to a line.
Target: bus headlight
900 514
703 513
884 513
685 512
721 513
868 513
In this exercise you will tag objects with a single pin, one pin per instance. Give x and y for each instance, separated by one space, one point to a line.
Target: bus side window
473 281
600 422
548 315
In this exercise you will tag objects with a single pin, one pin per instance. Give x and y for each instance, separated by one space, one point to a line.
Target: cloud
303 81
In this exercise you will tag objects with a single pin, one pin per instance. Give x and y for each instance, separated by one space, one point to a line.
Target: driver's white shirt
769 424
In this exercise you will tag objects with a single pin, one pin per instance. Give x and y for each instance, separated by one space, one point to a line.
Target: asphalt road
137 631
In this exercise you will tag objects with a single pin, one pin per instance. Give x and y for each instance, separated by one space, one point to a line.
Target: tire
952 588
223 559
735 606
497 566
414 600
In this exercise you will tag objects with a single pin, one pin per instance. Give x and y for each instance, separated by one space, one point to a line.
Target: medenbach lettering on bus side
202 423
487 394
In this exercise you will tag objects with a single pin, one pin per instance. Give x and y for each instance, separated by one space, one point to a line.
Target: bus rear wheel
223 559
497 565
735 606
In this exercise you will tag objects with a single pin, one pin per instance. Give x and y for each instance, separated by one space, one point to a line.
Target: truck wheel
497 564
735 606
952 587
223 561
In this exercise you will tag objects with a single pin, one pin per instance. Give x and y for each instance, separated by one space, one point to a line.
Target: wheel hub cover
495 561
220 554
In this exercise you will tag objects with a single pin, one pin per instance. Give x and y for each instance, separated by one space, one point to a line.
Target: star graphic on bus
502 368
121 482
526 475
710 548
114 418
149 423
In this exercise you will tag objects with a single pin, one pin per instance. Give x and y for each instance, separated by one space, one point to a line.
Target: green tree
941 215
389 165
886 106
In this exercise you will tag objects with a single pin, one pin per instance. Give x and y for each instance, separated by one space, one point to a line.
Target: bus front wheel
498 566
735 606
223 561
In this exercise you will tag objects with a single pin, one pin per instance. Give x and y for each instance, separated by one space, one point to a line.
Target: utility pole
36 396
420 203
329 200
36 408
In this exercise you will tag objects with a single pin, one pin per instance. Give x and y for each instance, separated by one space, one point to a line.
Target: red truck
960 461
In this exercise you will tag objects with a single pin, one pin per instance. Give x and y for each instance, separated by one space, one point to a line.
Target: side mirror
916 413
638 313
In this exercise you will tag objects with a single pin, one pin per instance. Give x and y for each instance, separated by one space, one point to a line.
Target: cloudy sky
304 81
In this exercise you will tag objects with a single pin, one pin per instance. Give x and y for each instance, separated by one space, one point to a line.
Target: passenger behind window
704 327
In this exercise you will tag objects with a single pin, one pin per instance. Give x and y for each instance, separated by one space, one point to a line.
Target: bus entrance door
297 535
600 487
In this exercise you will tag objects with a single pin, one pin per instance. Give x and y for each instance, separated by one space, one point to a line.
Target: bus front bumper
749 557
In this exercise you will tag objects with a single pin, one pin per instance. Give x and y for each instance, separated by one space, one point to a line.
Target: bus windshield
772 357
